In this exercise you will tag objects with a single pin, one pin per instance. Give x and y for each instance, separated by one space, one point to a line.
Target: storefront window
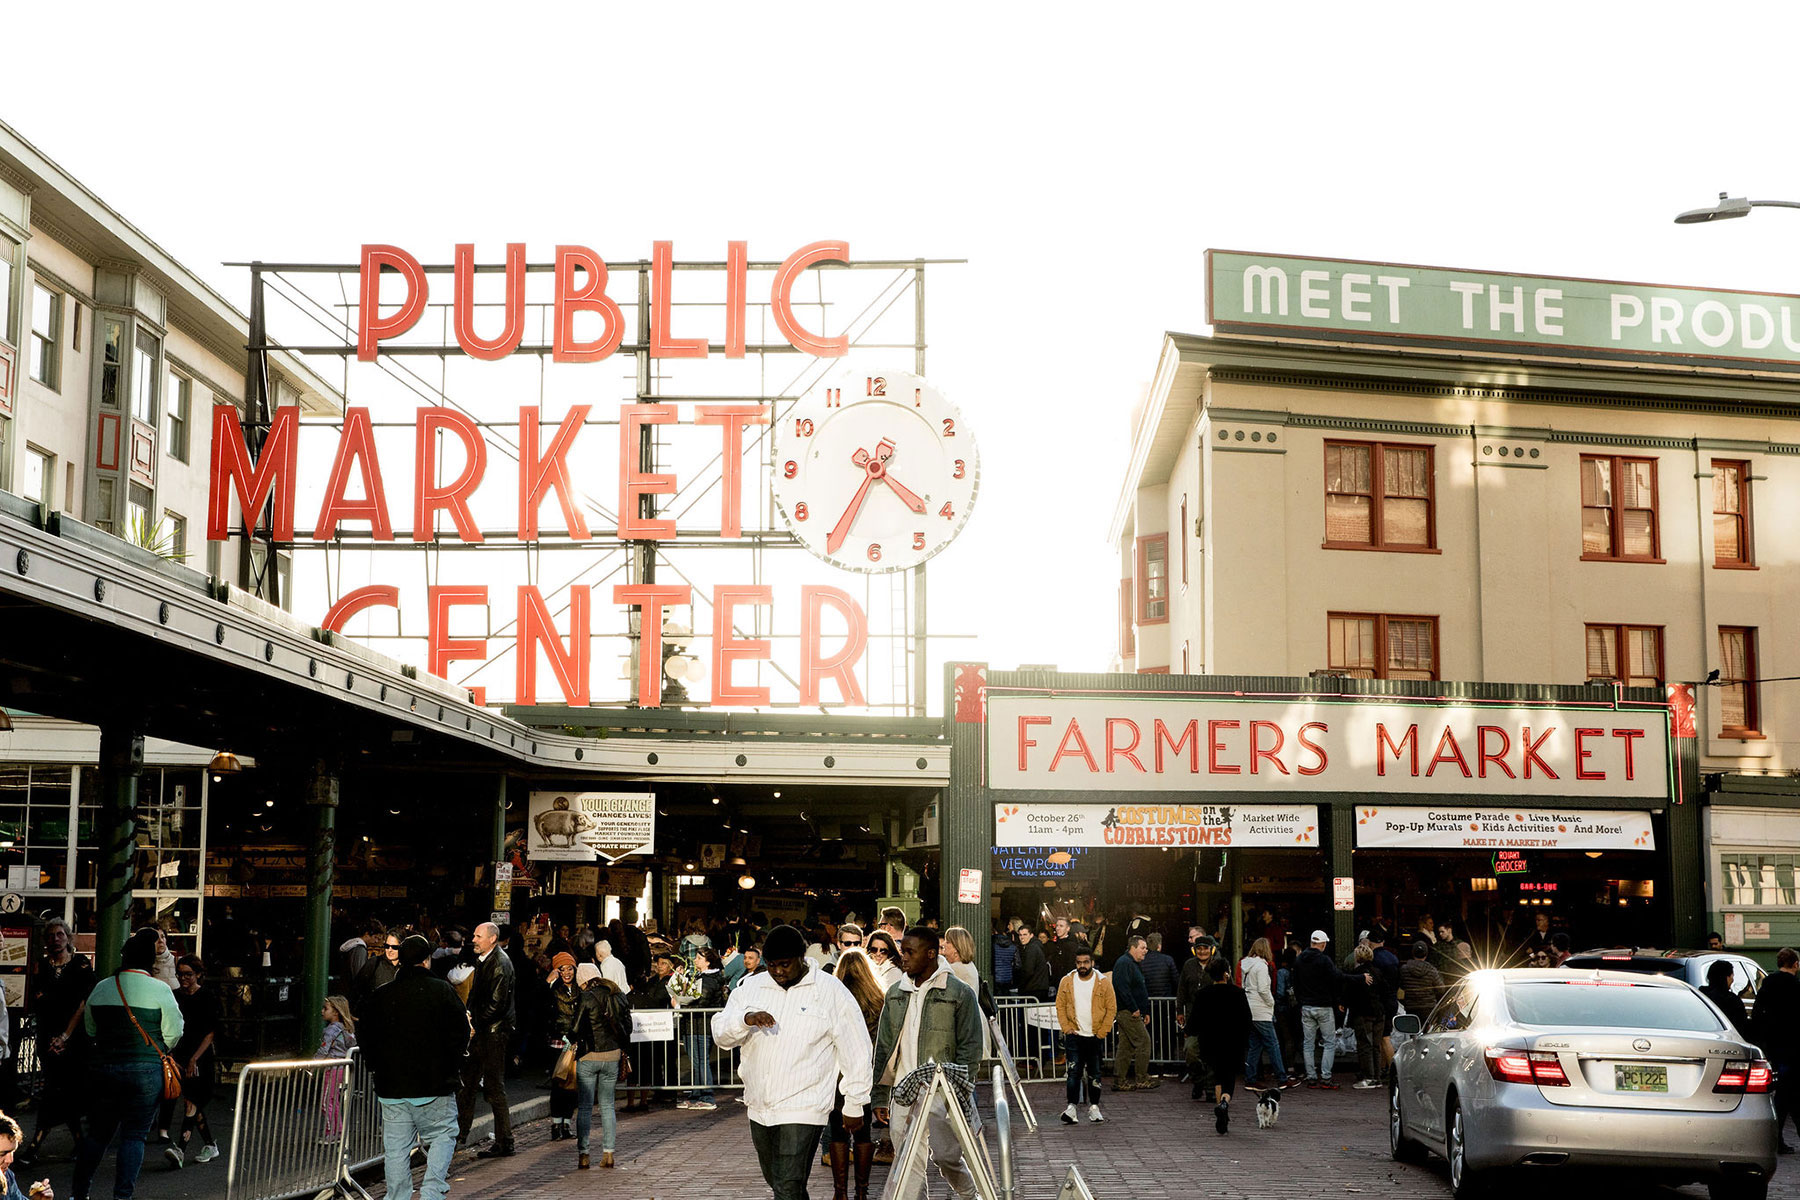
1760 880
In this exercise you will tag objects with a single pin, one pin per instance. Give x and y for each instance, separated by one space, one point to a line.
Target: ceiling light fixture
748 881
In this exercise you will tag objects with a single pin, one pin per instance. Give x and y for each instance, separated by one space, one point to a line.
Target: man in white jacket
802 1033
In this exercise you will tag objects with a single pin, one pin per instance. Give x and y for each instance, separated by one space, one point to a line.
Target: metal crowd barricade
672 1050
297 1122
1029 1028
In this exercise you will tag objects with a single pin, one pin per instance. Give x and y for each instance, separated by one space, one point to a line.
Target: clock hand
907 496
841 530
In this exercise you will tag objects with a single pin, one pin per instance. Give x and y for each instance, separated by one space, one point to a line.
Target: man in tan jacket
1085 1008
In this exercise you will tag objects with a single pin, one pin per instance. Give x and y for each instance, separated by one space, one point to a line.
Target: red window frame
1620 655
1145 599
1618 509
1740 494
1380 669
1752 726
1377 493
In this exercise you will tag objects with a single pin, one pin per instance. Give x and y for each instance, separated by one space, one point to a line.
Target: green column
965 821
1343 844
321 865
121 764
1686 904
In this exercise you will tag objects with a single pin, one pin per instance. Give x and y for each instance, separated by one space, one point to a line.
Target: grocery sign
1351 300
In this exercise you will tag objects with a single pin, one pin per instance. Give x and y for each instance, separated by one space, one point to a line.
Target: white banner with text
1156 825
1545 828
1223 744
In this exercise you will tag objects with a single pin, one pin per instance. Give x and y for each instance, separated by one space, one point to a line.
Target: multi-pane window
1731 513
1760 880
1618 507
39 475
46 330
178 394
1376 646
1739 711
112 362
1153 579
143 379
175 528
106 499
138 529
9 251
1627 654
1378 496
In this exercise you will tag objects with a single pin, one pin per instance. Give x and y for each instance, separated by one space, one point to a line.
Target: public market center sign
1345 299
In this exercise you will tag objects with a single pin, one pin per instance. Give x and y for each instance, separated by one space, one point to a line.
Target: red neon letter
428 494
652 598
728 647
1317 750
1498 757
1582 753
274 472
1114 751
1408 743
537 476
537 627
634 481
841 666
371 326
732 420
1531 752
1447 752
808 343
1190 737
1258 754
354 602
355 445
1074 744
1214 745
1026 741
661 344
590 297
442 648
464 303
737 270
1629 735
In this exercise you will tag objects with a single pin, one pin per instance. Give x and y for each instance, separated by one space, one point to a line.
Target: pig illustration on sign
559 822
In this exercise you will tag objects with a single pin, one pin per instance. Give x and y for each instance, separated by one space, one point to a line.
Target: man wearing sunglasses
378 972
850 937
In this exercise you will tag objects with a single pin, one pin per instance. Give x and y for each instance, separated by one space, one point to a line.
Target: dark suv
1687 965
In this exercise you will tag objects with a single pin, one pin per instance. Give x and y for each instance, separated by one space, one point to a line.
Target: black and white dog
1268 1108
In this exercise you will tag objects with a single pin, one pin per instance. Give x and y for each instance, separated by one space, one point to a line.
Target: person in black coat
1777 1027
493 1017
1031 973
414 1033
1221 1020
1718 990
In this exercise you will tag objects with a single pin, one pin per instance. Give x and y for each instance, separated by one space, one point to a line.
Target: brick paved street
1152 1146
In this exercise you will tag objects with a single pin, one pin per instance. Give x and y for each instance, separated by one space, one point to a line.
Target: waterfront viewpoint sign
1351 300
1112 744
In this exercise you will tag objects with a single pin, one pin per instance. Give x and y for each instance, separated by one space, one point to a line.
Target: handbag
171 1087
563 1074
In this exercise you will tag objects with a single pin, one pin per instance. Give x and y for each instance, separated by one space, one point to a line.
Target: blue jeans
699 1048
594 1078
1262 1035
785 1153
122 1098
434 1126
1318 1021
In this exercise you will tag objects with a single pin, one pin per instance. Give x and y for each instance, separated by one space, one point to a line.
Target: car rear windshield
1609 1005
1644 966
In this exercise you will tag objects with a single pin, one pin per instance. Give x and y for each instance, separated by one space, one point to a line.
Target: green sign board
1349 300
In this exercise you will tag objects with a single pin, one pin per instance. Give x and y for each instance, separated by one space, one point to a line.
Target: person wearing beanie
803 1042
564 1005
413 1033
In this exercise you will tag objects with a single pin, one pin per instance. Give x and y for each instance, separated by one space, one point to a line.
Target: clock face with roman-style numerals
875 471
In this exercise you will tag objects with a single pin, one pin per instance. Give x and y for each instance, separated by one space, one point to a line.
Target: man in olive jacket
414 1032
929 1016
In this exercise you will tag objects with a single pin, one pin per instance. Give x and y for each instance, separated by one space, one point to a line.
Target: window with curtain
1626 654
1618 508
1739 711
1378 496
1153 579
1378 646
1731 513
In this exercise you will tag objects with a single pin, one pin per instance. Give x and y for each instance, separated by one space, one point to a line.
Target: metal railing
1029 1028
298 1123
672 1050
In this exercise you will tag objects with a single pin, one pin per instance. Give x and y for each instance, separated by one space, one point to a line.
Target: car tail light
1755 1078
1519 1066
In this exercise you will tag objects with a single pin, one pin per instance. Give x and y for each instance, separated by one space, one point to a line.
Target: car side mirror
1407 1024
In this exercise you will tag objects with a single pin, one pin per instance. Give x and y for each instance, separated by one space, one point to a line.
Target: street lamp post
1728 207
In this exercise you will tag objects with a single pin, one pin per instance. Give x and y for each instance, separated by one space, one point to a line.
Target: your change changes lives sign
578 826
1156 825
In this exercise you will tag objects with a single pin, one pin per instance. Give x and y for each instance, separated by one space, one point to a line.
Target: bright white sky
1081 157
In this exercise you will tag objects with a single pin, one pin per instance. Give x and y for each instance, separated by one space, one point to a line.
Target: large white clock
874 471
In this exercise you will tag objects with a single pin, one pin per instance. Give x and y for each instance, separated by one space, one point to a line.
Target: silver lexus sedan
1540 1070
